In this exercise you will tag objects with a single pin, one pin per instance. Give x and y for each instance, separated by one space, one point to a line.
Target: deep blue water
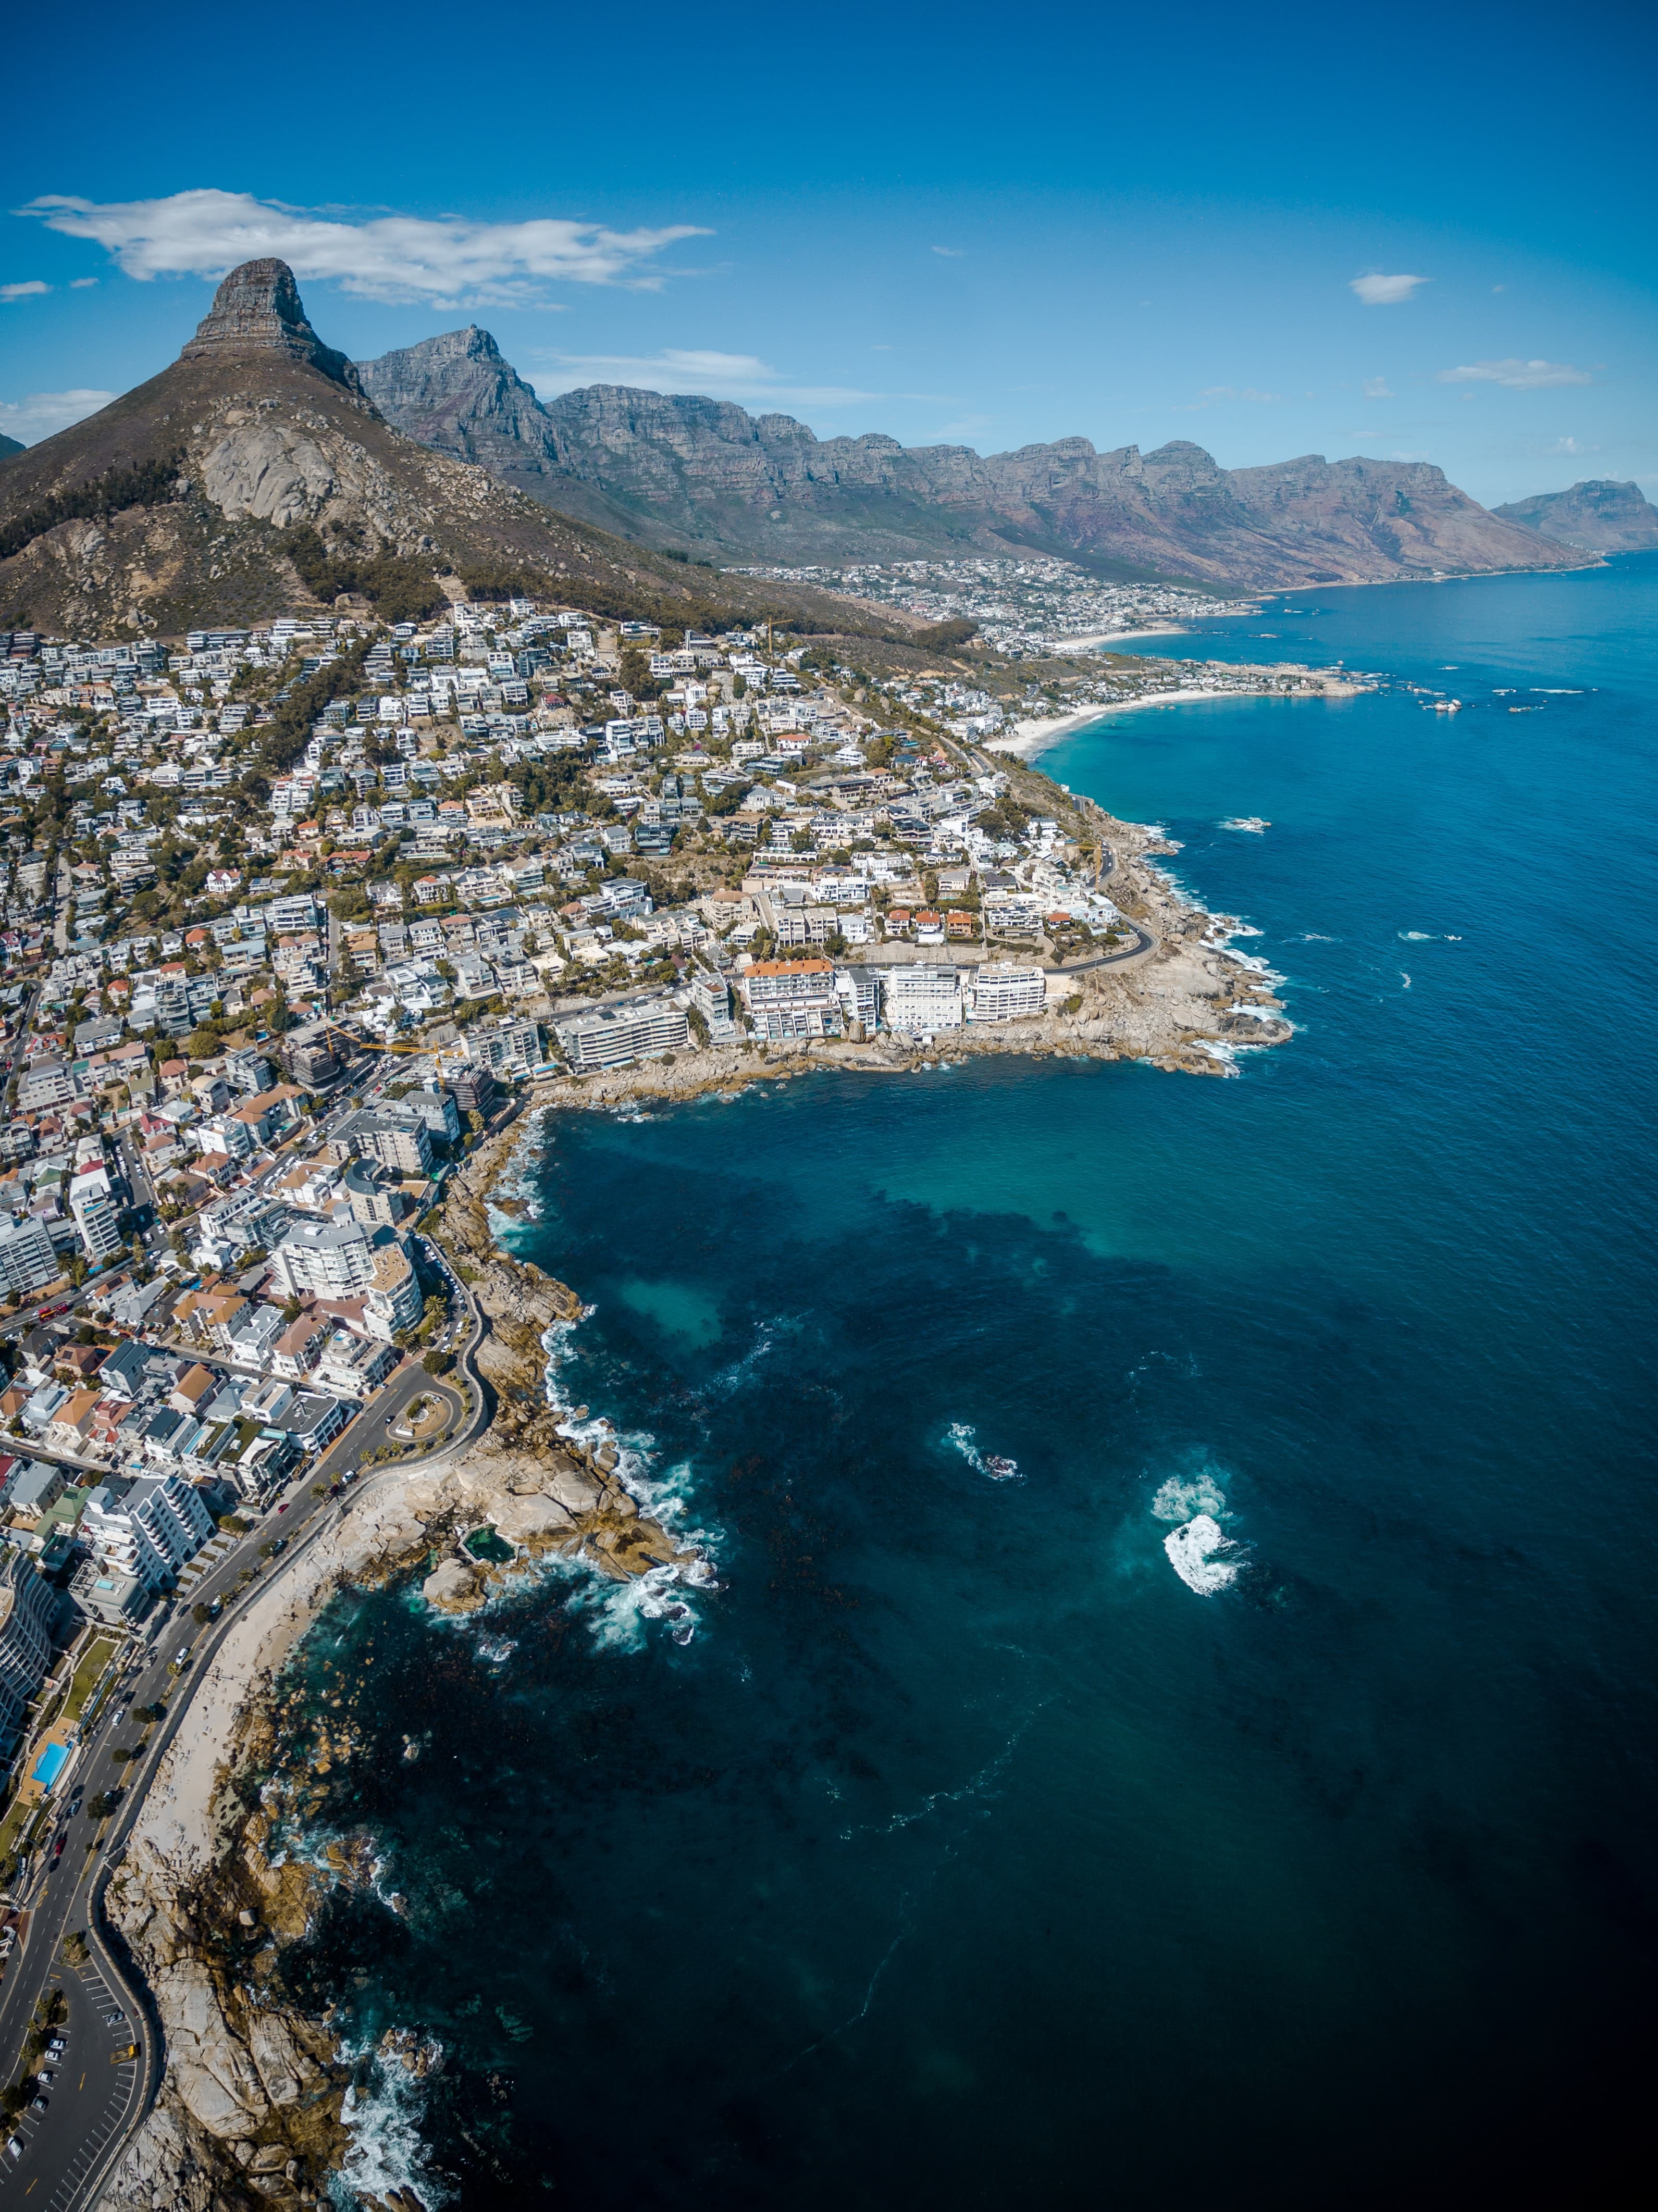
965 1855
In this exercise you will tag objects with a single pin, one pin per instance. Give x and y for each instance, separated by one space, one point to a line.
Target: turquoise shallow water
966 1853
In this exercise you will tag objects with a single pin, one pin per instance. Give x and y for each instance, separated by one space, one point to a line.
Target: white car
15 2146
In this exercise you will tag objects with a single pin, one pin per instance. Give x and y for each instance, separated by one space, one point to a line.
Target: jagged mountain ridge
705 474
267 429
1599 514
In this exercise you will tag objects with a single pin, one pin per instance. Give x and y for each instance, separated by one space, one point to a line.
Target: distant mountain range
1599 516
265 472
254 476
11 446
707 479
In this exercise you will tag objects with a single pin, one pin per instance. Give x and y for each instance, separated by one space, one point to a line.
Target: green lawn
97 1656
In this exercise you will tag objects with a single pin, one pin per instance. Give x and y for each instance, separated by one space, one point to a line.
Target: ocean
1177 1719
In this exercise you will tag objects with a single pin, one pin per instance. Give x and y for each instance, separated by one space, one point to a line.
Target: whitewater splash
1200 1550
619 1612
1197 1552
964 1438
1178 1501
388 2159
1254 823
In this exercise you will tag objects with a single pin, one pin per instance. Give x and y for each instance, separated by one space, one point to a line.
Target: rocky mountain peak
257 310
1601 515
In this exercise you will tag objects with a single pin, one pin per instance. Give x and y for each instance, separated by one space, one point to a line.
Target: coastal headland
249 2112
254 2106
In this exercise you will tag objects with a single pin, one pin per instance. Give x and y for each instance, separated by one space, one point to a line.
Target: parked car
115 2018
14 2146
38 2103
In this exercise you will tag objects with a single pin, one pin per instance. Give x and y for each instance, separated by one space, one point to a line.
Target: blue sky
984 225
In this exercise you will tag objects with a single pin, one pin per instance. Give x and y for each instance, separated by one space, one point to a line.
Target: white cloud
42 412
1213 395
23 291
1570 446
1518 375
1376 387
386 257
80 283
950 252
1378 291
739 376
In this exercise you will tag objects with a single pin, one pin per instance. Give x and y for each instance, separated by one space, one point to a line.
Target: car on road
57 1848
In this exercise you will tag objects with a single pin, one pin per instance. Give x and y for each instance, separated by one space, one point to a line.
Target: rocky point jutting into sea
249 2110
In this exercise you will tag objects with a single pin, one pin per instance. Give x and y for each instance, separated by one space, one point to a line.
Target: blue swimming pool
50 1765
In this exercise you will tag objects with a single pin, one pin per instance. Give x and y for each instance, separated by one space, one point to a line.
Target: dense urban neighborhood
290 916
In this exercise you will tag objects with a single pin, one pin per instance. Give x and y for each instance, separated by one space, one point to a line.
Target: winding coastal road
115 2055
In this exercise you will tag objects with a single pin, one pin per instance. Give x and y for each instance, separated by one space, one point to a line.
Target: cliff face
1600 515
258 427
456 395
681 470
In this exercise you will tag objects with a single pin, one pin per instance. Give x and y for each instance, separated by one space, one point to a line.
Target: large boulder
453 1588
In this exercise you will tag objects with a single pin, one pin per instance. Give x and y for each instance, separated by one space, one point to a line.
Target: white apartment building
922 1001
791 998
1003 992
95 1214
615 1036
28 1259
394 1300
150 1531
328 1259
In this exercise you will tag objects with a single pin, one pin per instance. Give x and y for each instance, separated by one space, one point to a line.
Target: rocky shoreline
1186 1004
252 2110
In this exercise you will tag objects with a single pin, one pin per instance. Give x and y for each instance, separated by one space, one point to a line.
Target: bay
968 1853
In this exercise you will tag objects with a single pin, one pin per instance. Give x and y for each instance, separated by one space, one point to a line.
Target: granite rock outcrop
1599 515
690 472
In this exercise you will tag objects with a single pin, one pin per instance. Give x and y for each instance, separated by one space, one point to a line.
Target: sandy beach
1035 736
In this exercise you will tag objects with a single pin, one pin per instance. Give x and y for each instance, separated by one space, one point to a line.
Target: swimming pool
50 1765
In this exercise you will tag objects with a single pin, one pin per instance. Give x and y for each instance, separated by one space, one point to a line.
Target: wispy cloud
1570 446
1216 395
951 252
449 262
1376 387
81 283
1518 375
739 376
1376 290
42 412
23 291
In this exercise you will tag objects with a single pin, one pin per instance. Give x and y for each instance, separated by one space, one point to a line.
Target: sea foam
1196 1553
964 1438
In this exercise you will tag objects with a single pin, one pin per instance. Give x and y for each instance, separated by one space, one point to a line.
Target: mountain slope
1598 514
186 501
704 474
11 446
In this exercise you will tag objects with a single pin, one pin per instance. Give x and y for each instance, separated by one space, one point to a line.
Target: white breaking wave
1197 1552
964 1439
387 2153
1254 823
1178 1501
